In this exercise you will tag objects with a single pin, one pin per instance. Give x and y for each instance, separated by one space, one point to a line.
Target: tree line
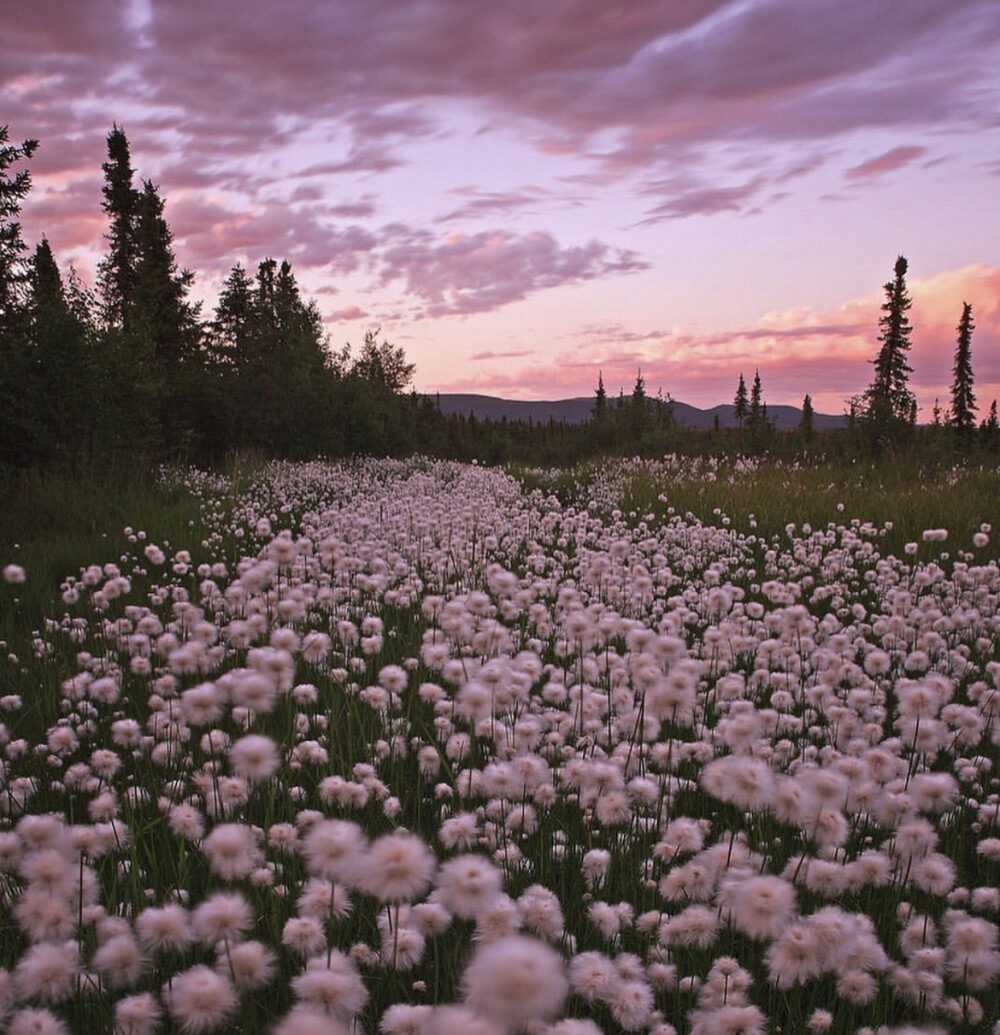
132 367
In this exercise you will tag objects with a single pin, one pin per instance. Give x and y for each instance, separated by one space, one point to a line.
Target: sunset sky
524 192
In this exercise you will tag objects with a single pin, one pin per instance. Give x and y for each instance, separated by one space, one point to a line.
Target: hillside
576 411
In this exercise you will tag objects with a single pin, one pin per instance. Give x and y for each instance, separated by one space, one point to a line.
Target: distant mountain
576 411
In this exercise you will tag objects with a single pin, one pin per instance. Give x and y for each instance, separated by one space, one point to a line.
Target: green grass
52 523
909 495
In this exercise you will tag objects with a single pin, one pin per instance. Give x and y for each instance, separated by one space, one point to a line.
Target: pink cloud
351 312
470 273
479 357
888 162
797 351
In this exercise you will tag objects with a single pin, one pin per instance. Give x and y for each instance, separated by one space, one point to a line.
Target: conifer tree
13 190
806 420
890 405
741 406
756 415
600 410
118 271
15 358
963 401
61 389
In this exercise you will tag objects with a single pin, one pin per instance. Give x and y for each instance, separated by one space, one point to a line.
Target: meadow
685 747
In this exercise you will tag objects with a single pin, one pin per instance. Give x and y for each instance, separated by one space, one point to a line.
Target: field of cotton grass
408 747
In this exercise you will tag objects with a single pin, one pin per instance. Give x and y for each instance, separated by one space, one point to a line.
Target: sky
523 194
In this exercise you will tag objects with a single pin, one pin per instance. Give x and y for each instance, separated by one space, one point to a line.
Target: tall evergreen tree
756 414
61 392
13 190
600 410
741 403
807 419
118 271
890 404
963 401
16 361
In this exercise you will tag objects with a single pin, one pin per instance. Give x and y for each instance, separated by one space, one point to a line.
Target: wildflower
467 884
333 983
592 976
310 1020
232 850
13 574
333 849
222 916
200 999
744 781
36 1022
137 1015
795 956
631 1003
164 929
759 906
460 1020
459 831
304 935
516 980
402 947
405 1019
254 757
398 867
250 965
48 971
119 960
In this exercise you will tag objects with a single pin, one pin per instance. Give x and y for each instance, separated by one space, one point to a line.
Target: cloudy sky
522 193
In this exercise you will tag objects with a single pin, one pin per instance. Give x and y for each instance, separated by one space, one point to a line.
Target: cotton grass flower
334 849
254 757
199 999
467 884
398 867
311 1020
515 980
48 971
332 983
137 1014
36 1022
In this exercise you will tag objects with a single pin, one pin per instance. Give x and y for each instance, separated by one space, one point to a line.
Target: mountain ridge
579 409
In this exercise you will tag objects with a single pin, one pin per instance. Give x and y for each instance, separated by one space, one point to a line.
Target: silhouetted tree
756 413
963 401
382 365
118 271
806 419
15 356
600 410
741 404
890 405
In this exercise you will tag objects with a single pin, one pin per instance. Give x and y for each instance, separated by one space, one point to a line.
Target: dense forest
133 367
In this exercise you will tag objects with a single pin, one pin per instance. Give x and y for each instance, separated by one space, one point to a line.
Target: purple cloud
470 273
888 162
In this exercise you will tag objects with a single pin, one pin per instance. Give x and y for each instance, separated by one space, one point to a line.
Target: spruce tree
756 415
806 420
13 190
741 406
890 405
600 410
16 361
62 389
118 272
963 401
